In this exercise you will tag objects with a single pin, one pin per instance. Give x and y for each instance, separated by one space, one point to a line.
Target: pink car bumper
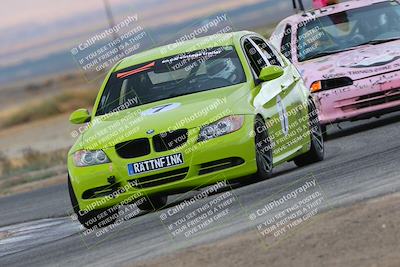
365 98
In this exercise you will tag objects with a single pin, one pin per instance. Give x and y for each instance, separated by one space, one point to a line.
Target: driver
222 68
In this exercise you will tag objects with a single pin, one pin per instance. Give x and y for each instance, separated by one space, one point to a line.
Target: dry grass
33 166
66 101
31 160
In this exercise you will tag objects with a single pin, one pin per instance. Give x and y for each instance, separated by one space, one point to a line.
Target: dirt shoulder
364 234
44 135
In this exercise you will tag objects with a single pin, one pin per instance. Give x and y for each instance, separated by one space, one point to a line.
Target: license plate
155 164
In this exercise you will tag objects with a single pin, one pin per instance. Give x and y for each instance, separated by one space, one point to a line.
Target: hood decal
359 63
370 57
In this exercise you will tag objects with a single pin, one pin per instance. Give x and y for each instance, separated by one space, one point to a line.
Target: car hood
188 111
361 62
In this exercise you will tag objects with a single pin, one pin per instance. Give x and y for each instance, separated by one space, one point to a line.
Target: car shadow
365 126
181 198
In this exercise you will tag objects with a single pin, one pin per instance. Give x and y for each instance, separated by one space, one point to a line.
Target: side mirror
270 73
79 116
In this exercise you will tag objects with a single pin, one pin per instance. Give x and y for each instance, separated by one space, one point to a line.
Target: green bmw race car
188 115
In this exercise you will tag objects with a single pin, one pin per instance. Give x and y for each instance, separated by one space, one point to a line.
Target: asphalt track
362 161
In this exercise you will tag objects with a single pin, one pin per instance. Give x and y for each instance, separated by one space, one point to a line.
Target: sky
21 13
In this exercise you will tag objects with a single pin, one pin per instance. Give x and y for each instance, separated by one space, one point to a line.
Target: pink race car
348 55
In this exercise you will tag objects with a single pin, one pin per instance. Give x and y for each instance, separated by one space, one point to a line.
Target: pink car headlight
330 84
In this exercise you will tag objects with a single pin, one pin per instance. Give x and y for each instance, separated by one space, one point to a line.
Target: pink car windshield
348 29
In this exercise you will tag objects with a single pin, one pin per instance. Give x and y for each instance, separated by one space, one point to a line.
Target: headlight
330 84
84 158
224 126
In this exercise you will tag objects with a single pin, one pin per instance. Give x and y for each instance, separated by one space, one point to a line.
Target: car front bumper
223 158
365 98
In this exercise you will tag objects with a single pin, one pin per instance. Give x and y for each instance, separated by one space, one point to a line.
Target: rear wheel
263 150
317 151
153 203
95 218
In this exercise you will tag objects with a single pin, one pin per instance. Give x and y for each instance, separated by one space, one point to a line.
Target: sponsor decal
283 116
155 164
371 57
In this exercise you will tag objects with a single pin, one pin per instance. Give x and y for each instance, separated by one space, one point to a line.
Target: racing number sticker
283 116
161 108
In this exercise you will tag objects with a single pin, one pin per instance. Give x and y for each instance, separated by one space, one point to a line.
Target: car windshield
342 31
178 75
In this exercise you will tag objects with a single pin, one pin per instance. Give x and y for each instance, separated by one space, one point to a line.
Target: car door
265 93
289 100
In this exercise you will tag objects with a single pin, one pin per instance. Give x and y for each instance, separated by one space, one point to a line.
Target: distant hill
245 17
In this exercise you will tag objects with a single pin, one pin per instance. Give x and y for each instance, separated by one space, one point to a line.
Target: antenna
110 18
301 5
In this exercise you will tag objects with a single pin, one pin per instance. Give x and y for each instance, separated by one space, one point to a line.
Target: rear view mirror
79 116
270 73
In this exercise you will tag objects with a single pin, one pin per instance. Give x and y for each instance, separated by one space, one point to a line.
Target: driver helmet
221 68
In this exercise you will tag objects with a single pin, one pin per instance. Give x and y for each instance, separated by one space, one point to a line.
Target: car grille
159 179
170 140
133 148
373 99
219 165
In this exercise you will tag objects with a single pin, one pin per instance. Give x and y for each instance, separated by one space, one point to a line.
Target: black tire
93 219
263 151
317 149
153 203
324 132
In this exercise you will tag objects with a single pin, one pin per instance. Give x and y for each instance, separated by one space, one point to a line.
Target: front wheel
317 149
263 150
95 218
153 203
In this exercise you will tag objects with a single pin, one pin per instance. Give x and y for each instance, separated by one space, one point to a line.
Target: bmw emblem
150 131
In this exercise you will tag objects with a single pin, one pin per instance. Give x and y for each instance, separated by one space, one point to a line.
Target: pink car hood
362 62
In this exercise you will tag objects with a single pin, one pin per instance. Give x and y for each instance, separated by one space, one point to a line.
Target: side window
286 45
267 51
256 60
